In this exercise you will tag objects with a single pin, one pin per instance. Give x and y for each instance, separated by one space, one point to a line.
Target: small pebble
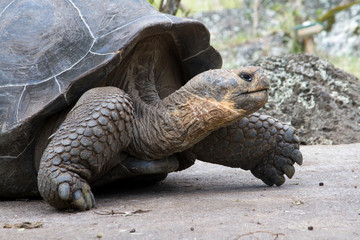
310 228
321 184
191 229
132 230
100 235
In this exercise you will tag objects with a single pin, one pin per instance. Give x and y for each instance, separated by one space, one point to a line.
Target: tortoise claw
285 166
297 157
278 180
289 170
64 191
83 199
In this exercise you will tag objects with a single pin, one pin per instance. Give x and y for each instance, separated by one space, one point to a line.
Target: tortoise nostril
246 76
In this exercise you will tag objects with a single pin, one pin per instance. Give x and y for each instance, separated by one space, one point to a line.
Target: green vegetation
192 6
329 17
347 63
211 5
286 14
231 41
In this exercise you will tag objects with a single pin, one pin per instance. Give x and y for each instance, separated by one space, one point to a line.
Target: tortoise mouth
251 100
250 92
257 91
263 91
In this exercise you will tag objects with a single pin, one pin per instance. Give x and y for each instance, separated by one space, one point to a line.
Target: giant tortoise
98 91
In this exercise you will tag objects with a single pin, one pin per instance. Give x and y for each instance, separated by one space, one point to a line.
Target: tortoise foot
258 143
274 166
66 191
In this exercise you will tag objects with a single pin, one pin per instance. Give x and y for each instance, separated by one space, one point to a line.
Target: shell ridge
58 84
123 26
17 156
7 7
82 19
102 54
198 53
18 105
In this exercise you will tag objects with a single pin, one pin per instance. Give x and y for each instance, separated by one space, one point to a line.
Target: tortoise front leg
258 143
84 147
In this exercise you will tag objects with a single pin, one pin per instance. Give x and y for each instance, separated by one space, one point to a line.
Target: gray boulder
320 100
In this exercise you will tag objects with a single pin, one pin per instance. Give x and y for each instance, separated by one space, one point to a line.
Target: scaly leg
84 147
258 143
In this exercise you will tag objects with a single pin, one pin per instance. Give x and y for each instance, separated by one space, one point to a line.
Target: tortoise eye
246 76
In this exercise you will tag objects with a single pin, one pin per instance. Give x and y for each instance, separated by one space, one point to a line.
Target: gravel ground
207 201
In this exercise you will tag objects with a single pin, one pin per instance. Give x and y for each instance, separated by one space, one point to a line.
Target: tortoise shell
52 51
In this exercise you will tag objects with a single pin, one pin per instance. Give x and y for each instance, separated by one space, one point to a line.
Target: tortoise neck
175 124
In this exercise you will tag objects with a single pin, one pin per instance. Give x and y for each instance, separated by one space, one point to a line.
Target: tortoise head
207 102
244 90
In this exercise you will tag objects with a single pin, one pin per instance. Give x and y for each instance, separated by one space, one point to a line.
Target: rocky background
320 100
232 30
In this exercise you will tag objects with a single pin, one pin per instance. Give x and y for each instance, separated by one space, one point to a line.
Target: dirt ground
207 201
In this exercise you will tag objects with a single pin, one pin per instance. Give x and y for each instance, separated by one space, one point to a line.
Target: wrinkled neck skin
176 123
167 120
